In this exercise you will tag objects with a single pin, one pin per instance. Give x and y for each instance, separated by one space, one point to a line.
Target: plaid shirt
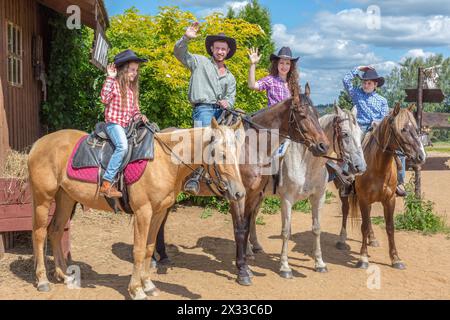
275 87
370 106
114 111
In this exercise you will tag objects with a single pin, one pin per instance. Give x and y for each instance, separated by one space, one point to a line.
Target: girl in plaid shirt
120 94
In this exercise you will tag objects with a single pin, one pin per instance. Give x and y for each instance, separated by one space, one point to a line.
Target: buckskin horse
150 196
396 132
295 119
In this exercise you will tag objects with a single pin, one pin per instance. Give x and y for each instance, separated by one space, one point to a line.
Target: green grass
378 220
206 213
419 215
260 221
440 146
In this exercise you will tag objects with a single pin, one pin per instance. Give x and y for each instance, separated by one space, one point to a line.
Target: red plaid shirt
114 111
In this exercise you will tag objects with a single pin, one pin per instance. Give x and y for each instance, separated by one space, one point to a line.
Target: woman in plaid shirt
282 83
120 94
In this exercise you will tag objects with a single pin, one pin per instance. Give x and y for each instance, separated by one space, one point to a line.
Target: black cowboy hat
284 53
221 37
127 56
371 74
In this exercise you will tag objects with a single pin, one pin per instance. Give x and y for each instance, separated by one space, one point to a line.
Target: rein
217 186
337 137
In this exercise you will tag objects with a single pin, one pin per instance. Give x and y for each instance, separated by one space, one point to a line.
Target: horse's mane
370 142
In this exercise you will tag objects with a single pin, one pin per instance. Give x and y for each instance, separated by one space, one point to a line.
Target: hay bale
15 165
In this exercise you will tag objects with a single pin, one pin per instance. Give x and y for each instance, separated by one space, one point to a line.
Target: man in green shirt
211 84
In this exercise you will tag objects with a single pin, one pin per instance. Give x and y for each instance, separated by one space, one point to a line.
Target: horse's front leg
241 222
341 244
142 218
317 200
389 207
286 216
365 208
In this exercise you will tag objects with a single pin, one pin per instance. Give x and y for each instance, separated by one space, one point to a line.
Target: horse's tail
353 207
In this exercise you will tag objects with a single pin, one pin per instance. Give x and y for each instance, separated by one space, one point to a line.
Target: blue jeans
203 114
118 137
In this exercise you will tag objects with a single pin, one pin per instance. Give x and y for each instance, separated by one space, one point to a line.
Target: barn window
15 56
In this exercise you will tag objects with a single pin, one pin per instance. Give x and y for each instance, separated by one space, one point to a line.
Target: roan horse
296 121
304 176
150 196
396 132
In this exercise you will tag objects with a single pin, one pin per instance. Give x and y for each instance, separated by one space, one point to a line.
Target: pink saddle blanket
132 173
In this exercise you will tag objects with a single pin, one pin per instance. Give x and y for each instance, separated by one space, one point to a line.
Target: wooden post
417 169
4 133
2 246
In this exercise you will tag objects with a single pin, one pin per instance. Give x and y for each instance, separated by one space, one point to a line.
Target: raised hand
112 71
253 55
191 31
365 68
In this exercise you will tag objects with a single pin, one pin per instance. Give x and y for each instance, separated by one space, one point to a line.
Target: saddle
96 151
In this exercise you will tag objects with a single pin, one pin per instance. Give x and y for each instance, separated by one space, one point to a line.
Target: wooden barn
25 48
24 55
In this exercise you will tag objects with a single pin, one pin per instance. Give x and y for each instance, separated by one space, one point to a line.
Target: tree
256 14
344 100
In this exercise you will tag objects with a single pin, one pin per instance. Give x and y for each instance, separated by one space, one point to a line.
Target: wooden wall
22 104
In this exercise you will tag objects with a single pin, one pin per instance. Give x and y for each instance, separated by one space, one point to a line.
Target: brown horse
296 121
150 196
396 132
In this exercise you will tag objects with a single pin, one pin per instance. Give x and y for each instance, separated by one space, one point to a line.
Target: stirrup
192 185
343 179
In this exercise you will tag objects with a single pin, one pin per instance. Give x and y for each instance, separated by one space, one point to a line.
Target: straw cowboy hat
221 37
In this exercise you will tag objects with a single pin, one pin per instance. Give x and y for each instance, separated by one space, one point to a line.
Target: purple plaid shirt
275 87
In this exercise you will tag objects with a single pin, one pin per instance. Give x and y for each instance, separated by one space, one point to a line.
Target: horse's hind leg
253 245
64 208
365 208
341 244
317 201
286 214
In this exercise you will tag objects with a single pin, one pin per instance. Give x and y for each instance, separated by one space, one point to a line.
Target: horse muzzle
319 149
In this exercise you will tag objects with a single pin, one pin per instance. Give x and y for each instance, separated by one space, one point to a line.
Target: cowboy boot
400 190
108 190
192 185
340 177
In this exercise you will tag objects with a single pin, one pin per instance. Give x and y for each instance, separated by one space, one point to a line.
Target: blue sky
331 37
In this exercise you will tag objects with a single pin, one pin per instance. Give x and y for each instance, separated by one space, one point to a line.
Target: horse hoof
362 265
286 274
399 266
244 281
258 250
138 295
43 287
321 269
342 246
250 273
153 264
374 243
153 292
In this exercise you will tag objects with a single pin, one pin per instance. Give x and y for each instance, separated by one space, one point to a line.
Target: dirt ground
203 255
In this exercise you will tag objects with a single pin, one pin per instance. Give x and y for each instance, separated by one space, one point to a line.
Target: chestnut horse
396 132
149 199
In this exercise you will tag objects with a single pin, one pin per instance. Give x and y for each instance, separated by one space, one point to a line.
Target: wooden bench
16 214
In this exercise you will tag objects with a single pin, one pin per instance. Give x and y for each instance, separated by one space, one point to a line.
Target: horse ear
307 90
237 125
214 123
411 107
396 109
354 111
337 109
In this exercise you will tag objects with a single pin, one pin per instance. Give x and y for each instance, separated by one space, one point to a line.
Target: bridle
391 132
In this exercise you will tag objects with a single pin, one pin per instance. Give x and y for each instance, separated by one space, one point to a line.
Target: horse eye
404 130
345 135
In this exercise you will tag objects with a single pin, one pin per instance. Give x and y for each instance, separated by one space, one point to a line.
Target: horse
149 197
295 119
398 131
304 176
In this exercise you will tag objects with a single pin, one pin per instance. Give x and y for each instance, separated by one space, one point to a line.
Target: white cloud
235 5
417 53
409 7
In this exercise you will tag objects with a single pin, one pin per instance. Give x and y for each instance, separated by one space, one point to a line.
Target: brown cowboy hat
221 37
371 74
284 53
